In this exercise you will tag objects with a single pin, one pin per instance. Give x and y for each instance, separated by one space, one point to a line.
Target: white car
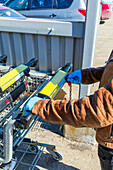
53 9
7 12
70 10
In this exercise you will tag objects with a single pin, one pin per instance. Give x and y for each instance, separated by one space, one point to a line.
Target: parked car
2 1
7 12
106 9
58 9
53 9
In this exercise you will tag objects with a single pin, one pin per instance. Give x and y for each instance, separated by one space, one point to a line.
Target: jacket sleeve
92 75
93 111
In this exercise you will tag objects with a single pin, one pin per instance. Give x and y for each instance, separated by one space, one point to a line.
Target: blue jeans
106 157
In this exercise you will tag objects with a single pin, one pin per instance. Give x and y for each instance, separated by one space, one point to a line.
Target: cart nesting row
17 86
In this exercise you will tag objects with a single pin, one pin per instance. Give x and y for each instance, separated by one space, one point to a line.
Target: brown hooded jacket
94 111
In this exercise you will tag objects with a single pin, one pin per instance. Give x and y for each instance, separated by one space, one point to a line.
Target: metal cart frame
13 129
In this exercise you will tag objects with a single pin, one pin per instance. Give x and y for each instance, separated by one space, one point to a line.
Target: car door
43 9
68 10
64 10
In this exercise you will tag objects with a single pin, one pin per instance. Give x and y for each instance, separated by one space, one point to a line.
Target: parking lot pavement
104 43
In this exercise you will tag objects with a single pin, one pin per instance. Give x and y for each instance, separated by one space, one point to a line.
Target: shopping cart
15 123
3 61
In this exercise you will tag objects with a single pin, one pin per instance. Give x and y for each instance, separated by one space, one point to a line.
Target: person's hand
31 103
75 77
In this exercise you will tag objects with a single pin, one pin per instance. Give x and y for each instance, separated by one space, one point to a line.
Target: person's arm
94 111
91 75
86 76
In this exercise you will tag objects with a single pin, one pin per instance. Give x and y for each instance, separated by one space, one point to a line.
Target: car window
44 4
5 13
2 1
18 4
64 3
10 13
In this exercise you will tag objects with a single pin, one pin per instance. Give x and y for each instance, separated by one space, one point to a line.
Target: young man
94 111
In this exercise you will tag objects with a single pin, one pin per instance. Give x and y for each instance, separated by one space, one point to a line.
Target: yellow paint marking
10 75
52 86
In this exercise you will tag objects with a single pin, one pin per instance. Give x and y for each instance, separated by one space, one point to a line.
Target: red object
26 84
69 83
7 100
107 6
106 11
20 2
82 11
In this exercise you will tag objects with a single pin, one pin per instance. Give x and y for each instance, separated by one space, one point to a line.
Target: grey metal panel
62 51
78 29
18 47
42 48
78 50
29 45
55 52
36 51
65 50
8 47
69 50
52 51
1 46
49 52
43 27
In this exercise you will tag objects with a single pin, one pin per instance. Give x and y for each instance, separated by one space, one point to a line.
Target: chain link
70 92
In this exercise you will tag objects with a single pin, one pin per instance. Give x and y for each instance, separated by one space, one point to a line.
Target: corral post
92 20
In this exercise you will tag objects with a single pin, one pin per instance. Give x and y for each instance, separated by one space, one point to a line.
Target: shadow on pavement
45 162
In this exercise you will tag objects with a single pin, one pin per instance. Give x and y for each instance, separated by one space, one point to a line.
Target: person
93 111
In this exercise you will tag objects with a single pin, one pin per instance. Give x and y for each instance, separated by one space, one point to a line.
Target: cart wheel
56 155
33 149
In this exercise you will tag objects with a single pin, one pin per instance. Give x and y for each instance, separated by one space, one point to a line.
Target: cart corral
17 86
